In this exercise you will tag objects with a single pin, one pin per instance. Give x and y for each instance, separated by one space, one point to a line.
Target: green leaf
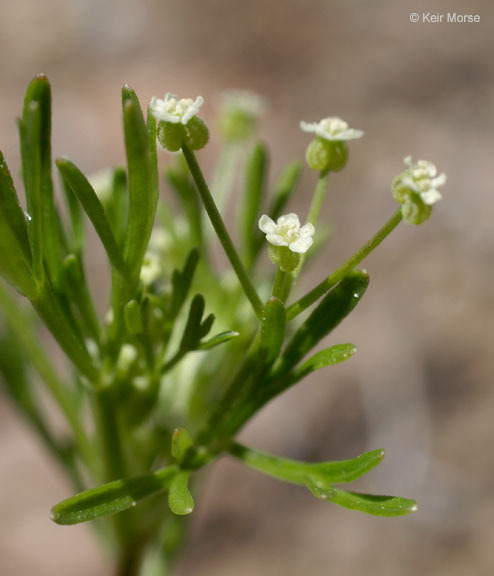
15 252
284 188
326 357
195 329
181 282
181 184
116 206
220 338
29 133
389 506
112 498
305 473
37 162
332 309
255 184
272 330
181 443
81 187
77 232
143 184
180 499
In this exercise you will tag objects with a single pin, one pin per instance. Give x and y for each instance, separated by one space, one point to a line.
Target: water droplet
28 217
355 295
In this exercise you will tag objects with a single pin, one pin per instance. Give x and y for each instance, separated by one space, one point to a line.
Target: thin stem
300 305
221 231
279 284
318 198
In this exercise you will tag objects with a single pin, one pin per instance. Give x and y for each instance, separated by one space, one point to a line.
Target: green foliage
152 397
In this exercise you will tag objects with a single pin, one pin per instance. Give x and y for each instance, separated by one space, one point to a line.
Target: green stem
279 284
318 198
300 305
221 231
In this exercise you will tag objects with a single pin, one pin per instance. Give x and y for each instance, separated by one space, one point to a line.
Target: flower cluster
333 129
178 122
287 239
175 110
416 189
329 150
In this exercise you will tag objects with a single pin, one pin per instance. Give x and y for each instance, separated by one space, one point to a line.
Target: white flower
422 178
175 110
287 232
332 129
244 101
151 269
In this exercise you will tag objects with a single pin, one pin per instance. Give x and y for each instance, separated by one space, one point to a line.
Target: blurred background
421 384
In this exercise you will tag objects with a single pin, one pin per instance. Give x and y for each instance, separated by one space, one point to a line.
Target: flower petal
266 224
276 240
301 245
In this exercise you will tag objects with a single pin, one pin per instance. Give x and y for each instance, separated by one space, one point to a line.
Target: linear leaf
326 357
272 330
332 309
38 94
143 184
112 498
255 184
375 505
94 209
320 474
221 338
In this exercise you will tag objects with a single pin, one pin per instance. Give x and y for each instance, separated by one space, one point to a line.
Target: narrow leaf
272 330
29 131
94 209
255 182
332 309
220 338
11 209
305 473
180 499
15 252
111 498
326 357
181 281
143 184
38 94
191 337
389 506
117 205
284 188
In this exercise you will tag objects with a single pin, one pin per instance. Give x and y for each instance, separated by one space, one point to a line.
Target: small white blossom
422 178
332 129
151 269
175 110
286 231
244 101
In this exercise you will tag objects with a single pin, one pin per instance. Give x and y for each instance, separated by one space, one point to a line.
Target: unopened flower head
287 232
238 113
175 110
333 129
245 101
416 189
